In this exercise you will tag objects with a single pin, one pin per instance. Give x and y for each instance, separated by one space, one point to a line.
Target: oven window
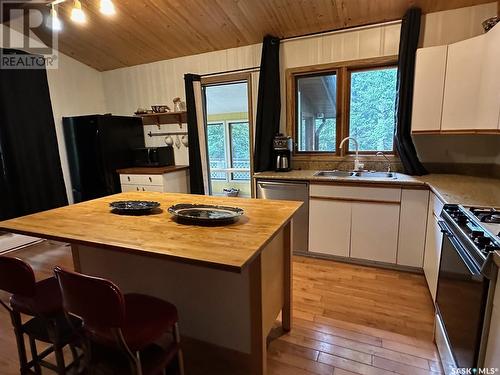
461 301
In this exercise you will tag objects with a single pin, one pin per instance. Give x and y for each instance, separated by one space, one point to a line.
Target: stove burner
490 216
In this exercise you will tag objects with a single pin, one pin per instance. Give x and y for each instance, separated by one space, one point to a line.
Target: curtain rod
339 31
252 69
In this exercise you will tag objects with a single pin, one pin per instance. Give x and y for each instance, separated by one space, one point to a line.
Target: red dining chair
43 302
131 323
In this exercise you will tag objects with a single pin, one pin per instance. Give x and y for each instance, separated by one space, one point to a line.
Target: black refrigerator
98 145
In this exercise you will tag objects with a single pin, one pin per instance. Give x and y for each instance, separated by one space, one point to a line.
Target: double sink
360 174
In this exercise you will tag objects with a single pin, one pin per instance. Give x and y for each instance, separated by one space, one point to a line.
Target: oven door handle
471 267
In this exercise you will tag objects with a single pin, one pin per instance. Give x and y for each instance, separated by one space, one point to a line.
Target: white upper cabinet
457 87
488 115
462 83
430 72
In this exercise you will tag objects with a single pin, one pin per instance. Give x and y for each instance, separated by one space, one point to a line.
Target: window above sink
326 103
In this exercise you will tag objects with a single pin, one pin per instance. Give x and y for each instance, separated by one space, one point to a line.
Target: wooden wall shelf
164 118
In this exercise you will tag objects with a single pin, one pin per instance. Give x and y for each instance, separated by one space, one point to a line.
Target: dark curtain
195 165
268 104
31 178
408 43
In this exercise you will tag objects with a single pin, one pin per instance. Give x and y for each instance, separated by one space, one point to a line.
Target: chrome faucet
357 165
380 153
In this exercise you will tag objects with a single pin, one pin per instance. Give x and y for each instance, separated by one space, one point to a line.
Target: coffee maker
282 147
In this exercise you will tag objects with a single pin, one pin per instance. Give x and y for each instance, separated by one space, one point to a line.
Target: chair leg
180 358
61 367
21 348
138 362
34 356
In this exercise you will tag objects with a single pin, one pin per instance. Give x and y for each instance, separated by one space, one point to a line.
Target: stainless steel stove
465 284
489 218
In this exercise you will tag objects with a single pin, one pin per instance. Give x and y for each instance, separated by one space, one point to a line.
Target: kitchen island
229 283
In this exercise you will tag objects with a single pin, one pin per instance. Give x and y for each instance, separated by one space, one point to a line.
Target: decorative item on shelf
177 141
490 23
169 141
231 192
185 140
142 111
160 108
179 106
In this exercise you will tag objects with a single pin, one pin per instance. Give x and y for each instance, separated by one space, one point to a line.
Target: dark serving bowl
133 207
205 214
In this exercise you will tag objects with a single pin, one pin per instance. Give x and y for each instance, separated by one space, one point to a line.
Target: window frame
343 70
347 125
337 111
228 149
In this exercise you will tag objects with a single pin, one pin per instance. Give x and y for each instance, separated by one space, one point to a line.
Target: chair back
98 302
16 276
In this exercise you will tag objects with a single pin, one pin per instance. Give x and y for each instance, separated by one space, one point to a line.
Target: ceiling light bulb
107 7
54 22
77 14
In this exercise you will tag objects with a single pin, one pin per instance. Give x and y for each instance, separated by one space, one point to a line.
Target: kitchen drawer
141 179
128 187
356 193
436 204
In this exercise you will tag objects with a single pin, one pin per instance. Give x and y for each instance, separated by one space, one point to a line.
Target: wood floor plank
347 364
399 367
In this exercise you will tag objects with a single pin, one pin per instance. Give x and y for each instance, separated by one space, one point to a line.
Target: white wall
75 89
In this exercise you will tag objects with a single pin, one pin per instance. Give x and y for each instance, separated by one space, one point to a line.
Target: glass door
229 135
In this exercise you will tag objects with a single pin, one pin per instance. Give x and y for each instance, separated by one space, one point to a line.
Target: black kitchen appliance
282 147
97 146
154 156
465 288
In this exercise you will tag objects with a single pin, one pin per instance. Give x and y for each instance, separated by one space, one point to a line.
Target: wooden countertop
152 170
229 247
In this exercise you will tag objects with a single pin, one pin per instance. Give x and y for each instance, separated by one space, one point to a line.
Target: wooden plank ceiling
145 31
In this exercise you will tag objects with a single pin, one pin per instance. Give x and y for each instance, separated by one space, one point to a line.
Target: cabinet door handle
137 188
143 189
150 179
128 178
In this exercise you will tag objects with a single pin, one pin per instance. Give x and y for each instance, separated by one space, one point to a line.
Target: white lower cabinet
172 182
329 227
412 227
374 231
432 257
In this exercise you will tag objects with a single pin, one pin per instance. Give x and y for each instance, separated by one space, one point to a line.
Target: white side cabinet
329 227
412 227
430 70
175 181
488 114
433 241
492 359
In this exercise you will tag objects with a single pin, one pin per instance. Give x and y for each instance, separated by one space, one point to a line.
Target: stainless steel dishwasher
290 191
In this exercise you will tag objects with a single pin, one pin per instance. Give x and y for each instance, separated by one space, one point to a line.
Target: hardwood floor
348 319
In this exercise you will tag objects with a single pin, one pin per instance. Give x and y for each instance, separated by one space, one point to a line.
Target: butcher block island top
229 247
